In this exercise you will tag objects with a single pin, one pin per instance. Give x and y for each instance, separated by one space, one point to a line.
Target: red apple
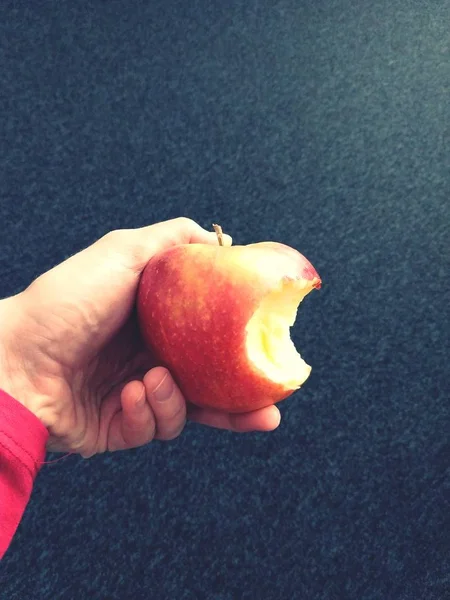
218 318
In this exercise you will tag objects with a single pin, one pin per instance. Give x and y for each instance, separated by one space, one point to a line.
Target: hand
71 350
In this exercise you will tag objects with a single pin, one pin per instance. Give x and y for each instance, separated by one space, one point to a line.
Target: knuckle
179 412
186 222
116 236
128 247
171 413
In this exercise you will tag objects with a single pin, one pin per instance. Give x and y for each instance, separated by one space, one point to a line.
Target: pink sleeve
22 450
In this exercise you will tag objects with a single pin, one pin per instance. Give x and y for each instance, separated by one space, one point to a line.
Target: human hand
70 350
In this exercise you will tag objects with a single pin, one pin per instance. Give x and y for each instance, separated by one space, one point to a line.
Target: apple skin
194 302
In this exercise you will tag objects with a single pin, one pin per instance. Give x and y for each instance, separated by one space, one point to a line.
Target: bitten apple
219 318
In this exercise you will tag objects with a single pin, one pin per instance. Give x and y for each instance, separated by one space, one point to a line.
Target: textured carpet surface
324 125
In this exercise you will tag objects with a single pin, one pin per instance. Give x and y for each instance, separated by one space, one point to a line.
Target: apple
219 318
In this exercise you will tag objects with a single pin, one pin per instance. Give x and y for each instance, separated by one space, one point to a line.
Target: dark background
324 125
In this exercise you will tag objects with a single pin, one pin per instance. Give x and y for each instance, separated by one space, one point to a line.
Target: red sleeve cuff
22 451
22 433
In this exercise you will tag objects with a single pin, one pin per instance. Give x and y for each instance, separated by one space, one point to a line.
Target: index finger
182 230
144 242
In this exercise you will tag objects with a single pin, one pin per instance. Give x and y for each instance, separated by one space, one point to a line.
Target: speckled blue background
324 125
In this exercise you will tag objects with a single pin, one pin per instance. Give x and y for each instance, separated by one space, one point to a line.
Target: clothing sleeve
22 451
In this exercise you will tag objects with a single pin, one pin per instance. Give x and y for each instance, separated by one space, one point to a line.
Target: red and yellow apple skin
194 303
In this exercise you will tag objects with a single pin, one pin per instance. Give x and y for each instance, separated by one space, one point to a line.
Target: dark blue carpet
324 125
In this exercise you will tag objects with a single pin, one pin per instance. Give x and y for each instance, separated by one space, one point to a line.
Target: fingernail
227 240
276 417
140 402
164 389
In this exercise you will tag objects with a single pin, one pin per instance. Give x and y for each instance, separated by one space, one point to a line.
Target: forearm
22 441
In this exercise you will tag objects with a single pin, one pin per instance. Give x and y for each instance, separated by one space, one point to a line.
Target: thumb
137 246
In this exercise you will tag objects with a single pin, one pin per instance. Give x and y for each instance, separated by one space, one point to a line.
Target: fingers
152 409
167 403
156 409
183 231
138 424
137 246
264 419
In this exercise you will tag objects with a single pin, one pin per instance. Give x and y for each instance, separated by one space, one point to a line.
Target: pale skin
71 352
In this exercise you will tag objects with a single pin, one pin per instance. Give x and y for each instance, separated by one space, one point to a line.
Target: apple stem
219 233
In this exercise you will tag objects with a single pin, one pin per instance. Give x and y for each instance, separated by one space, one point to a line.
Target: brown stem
219 233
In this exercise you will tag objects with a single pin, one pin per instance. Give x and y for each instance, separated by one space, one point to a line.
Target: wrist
17 378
